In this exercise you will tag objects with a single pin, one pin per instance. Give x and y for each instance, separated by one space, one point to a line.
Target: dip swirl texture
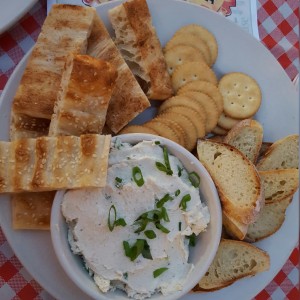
89 211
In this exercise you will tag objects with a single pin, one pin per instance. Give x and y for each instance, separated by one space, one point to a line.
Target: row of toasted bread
255 184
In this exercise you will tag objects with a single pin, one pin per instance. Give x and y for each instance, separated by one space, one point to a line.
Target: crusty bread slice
86 87
235 177
282 154
128 99
137 40
234 260
279 184
234 228
264 147
65 30
247 137
270 220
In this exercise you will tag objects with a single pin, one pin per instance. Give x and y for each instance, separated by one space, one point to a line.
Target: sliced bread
235 229
234 260
247 137
235 177
270 220
279 184
283 154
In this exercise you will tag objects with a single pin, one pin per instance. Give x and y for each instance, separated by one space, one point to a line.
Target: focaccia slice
137 40
65 30
53 163
128 99
86 88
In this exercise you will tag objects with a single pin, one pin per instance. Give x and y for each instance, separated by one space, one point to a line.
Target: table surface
278 25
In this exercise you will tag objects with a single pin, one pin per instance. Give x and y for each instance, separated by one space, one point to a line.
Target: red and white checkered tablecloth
278 23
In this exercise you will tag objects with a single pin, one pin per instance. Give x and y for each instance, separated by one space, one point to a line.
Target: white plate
278 114
13 10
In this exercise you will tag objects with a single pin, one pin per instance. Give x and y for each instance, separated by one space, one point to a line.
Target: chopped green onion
163 200
158 272
139 247
137 176
184 200
111 222
150 234
161 167
157 142
165 214
177 193
179 226
179 169
162 228
194 179
125 275
192 240
118 182
167 162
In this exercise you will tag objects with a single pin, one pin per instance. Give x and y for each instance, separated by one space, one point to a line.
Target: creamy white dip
87 213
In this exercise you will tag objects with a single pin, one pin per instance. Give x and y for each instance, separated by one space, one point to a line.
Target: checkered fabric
278 23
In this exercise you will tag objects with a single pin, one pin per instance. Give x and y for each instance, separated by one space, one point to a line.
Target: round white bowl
201 255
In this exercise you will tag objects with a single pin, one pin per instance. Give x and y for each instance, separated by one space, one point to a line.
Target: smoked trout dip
134 234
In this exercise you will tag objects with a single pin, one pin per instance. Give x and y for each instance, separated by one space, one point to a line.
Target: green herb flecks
139 247
179 226
179 171
112 220
150 234
184 200
192 239
137 176
166 167
163 200
158 272
194 179
118 182
177 193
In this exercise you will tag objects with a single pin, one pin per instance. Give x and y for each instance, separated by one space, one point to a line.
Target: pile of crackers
202 104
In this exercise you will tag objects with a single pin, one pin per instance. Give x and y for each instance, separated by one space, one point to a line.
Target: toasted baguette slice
247 137
65 30
270 220
234 228
279 184
128 99
235 177
52 163
234 260
283 154
86 88
137 40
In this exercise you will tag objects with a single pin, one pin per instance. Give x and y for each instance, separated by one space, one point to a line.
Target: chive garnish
112 221
139 247
163 200
177 193
192 240
137 176
179 169
125 275
150 234
194 179
165 167
160 166
162 228
184 200
118 182
165 214
157 142
158 272
179 226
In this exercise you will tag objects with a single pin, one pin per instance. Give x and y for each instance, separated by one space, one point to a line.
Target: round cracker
210 107
187 125
226 122
219 131
184 101
205 35
176 127
192 71
193 115
137 129
180 54
190 40
163 130
207 88
241 95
